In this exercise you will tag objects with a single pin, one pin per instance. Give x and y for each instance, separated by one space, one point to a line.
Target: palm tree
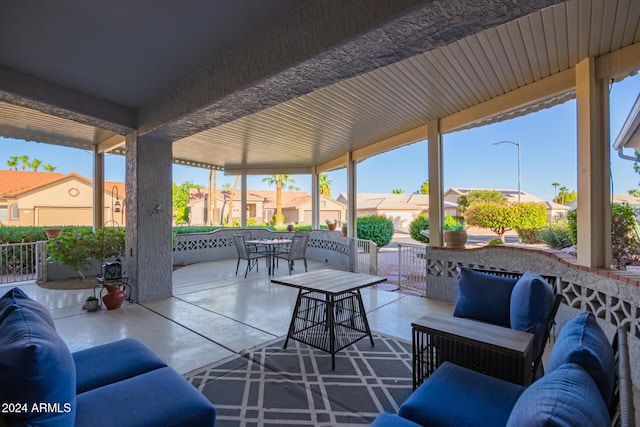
325 185
24 160
563 193
555 190
280 181
212 213
13 162
49 167
397 191
35 164
226 193
233 193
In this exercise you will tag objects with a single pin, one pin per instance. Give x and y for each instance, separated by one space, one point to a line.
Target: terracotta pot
290 228
331 226
115 296
455 239
52 232
344 230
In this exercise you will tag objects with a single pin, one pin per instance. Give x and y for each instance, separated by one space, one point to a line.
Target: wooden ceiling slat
551 39
479 64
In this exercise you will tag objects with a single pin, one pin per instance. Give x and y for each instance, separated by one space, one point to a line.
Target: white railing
366 257
412 267
20 261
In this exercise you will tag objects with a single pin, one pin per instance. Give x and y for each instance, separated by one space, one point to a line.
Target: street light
517 144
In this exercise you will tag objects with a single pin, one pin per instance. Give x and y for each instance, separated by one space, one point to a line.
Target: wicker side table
493 350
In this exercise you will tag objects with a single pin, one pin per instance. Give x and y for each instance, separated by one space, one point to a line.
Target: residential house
399 208
261 206
554 210
31 198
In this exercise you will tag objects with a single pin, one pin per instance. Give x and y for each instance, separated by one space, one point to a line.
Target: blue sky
548 151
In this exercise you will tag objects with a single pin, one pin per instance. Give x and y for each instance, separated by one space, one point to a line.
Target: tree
325 185
24 159
424 188
397 191
565 196
555 189
231 196
180 198
35 164
279 181
480 196
634 192
501 218
213 173
13 162
49 167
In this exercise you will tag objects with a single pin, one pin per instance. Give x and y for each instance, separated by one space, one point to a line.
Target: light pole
517 144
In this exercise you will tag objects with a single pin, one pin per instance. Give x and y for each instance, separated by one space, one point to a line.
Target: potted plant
344 229
91 304
290 228
331 225
455 234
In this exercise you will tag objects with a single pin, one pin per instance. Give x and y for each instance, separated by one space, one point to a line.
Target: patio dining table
329 314
271 246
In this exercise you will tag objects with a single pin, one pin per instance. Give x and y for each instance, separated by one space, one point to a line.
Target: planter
344 230
115 296
455 239
52 232
91 305
331 226
290 228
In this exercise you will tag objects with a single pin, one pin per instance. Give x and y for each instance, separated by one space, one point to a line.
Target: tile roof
13 183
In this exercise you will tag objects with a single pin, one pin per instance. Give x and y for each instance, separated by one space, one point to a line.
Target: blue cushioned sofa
117 384
582 387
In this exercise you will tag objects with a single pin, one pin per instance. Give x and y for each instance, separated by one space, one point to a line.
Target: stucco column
315 199
98 188
352 214
436 200
594 208
149 258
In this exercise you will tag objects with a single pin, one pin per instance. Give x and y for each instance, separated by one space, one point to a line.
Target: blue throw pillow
37 372
484 297
565 397
582 341
531 305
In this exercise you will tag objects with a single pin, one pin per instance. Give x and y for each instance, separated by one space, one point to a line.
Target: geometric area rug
271 386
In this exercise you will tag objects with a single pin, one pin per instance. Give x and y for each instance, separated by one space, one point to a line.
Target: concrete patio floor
213 314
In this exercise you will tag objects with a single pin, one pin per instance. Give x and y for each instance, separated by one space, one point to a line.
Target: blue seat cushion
456 396
565 397
582 341
391 420
157 398
112 362
36 367
484 297
531 307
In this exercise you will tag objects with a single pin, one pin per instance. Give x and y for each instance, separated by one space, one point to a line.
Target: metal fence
412 267
366 257
21 261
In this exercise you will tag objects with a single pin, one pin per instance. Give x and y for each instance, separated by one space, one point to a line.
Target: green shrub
501 218
556 235
495 242
572 225
378 229
529 236
78 247
21 234
453 223
417 225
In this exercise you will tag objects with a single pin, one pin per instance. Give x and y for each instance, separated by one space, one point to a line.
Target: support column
594 207
315 199
149 256
98 188
352 214
243 200
436 191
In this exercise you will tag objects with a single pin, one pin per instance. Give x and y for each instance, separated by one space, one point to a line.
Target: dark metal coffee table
329 313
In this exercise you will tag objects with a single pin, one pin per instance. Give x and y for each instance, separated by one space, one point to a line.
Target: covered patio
306 87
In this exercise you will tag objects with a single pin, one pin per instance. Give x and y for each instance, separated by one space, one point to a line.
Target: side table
493 350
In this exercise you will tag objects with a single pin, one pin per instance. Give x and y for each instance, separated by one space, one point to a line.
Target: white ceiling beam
619 64
267 171
391 143
110 143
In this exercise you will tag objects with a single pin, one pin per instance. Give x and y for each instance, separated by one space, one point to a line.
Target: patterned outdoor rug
270 386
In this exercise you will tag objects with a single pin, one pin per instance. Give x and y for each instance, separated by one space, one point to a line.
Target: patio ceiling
295 85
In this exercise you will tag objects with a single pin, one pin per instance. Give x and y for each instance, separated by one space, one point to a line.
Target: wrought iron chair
251 255
297 250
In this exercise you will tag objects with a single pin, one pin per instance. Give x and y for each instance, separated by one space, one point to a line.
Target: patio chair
297 250
251 255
